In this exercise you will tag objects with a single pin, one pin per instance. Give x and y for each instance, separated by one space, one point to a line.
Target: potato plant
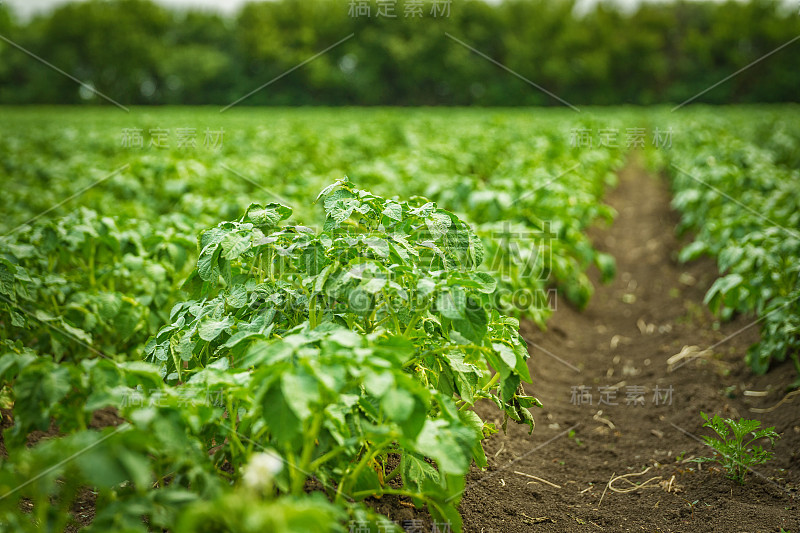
400 270
742 204
294 305
352 354
87 284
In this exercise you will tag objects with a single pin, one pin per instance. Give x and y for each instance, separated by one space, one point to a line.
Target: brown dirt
83 508
604 346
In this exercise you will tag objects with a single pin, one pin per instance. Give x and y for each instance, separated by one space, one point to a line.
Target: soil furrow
612 406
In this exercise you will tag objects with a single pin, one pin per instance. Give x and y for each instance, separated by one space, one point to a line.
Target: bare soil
650 312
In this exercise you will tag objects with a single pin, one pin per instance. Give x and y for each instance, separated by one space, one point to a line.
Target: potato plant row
735 183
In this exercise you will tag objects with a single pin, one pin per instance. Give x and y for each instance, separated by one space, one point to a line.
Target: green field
292 311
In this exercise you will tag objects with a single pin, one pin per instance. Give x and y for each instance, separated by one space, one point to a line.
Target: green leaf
301 393
327 190
234 245
692 251
267 216
447 513
486 282
211 329
441 444
394 211
607 266
237 297
507 355
474 326
438 224
378 383
474 422
379 246
521 351
398 404
38 390
417 473
207 263
374 285
452 303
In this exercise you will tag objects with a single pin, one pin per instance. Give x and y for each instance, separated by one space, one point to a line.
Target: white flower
260 471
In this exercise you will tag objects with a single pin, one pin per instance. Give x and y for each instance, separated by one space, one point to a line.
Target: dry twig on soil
785 399
634 486
538 479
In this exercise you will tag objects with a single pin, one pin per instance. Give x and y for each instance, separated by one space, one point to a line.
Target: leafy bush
743 205
404 271
87 280
354 354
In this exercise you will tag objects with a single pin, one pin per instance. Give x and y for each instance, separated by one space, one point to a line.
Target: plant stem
312 311
92 252
296 482
270 266
398 492
412 323
491 382
322 459
393 474
234 435
352 478
310 439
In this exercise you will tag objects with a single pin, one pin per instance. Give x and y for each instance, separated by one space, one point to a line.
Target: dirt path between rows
622 342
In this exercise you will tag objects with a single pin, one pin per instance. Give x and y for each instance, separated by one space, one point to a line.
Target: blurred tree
114 46
140 53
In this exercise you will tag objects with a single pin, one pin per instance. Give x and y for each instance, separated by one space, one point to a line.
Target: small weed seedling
572 435
732 451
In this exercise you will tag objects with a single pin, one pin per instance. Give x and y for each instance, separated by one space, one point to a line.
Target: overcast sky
26 8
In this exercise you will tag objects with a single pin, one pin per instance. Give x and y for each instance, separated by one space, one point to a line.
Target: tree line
403 52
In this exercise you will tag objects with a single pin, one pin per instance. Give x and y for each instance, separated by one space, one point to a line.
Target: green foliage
137 52
85 285
242 512
736 193
148 467
403 271
734 449
533 226
364 339
353 352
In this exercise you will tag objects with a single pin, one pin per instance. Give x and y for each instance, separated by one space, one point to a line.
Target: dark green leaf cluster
161 461
531 216
600 54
